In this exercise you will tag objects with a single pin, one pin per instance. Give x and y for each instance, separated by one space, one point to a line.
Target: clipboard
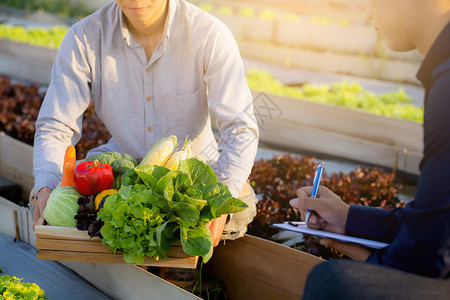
302 228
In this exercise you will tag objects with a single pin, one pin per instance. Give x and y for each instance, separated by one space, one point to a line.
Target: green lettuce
156 207
14 288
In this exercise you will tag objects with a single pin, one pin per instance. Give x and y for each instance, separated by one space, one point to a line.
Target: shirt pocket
185 115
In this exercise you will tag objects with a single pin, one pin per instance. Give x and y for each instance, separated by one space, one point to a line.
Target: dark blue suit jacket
420 232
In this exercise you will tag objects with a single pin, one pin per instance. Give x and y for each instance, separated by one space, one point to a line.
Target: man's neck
432 27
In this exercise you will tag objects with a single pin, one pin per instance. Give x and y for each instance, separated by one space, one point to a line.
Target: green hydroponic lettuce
14 288
156 207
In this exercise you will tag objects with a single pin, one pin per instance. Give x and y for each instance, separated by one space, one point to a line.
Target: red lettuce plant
278 179
19 108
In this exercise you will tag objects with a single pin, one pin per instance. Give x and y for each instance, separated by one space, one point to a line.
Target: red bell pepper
92 177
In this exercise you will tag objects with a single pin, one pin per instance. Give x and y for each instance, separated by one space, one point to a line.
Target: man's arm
60 117
59 122
373 223
230 98
422 242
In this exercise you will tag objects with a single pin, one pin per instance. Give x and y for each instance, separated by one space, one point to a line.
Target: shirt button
149 128
148 98
147 70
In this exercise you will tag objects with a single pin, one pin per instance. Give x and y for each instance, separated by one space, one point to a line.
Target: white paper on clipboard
302 228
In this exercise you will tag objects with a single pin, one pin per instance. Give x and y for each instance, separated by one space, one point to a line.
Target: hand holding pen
316 183
327 213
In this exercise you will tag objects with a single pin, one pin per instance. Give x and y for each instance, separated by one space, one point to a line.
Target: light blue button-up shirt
195 68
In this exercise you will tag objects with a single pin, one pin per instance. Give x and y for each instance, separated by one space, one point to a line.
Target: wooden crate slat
187 262
72 245
45 231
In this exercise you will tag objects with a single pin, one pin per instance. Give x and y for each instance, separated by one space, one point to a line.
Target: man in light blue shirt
152 69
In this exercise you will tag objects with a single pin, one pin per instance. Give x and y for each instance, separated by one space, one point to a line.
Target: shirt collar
173 7
167 26
438 53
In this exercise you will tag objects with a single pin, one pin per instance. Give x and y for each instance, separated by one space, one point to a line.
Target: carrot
69 167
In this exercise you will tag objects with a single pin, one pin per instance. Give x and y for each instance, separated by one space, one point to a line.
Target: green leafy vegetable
62 207
352 95
156 207
50 38
13 288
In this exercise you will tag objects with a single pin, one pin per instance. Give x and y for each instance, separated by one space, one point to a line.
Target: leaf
159 231
165 184
196 241
187 213
210 192
208 255
197 203
137 210
165 234
219 200
205 216
200 173
151 174
133 258
231 205
182 182
194 192
120 214
130 178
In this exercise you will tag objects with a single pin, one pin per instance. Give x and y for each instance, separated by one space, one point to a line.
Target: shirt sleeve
422 228
59 122
230 98
110 146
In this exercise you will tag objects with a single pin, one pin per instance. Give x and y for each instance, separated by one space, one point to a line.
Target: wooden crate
255 268
16 163
71 244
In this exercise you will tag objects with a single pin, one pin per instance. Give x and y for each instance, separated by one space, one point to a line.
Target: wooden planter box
250 28
347 39
249 267
301 125
332 62
255 268
27 62
342 132
353 10
14 220
71 244
16 163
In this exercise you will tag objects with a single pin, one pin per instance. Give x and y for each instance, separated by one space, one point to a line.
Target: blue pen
315 188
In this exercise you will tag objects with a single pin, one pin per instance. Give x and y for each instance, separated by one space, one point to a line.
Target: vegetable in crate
62 207
156 207
174 161
160 153
120 163
87 216
102 196
92 177
69 165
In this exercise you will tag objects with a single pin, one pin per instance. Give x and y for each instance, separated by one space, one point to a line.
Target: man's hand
330 212
216 227
41 202
355 252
